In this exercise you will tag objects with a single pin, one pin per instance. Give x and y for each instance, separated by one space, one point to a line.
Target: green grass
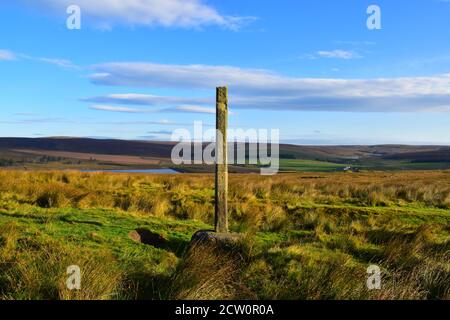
365 164
99 227
304 237
309 165
97 230
389 165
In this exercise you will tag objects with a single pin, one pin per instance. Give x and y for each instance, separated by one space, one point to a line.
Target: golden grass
255 201
309 236
38 270
207 273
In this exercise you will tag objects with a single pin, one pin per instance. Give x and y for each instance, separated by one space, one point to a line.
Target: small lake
160 171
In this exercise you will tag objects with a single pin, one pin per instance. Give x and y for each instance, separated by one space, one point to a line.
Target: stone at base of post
221 240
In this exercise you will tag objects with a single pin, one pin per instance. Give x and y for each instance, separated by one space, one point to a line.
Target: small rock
145 236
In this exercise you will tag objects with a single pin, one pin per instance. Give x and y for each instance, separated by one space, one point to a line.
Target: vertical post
221 190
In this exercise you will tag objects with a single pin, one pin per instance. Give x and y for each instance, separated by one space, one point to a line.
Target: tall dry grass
208 272
32 269
320 235
255 201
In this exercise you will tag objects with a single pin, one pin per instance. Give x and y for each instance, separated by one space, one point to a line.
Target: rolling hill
109 153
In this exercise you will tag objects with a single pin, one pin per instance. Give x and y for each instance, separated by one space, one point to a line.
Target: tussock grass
33 269
308 236
208 273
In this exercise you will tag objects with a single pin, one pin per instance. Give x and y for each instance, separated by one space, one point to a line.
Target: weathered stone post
220 237
221 188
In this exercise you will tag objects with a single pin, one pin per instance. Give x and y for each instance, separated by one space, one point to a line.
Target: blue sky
139 69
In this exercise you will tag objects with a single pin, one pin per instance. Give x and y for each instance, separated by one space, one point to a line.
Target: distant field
306 235
309 165
369 164
392 165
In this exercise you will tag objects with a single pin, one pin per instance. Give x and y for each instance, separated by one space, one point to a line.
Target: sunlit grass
306 236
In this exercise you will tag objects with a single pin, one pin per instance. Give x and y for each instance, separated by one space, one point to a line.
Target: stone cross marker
221 188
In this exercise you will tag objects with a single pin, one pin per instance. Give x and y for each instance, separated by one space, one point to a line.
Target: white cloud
338 54
63 63
163 122
332 54
177 109
193 109
262 89
116 109
165 132
355 43
167 13
7 55
146 99
39 120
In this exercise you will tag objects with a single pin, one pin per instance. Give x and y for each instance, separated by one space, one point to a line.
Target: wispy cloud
146 99
10 56
192 109
332 54
355 43
38 121
162 132
7 55
63 63
166 13
262 89
157 135
47 120
339 54
117 109
176 109
163 122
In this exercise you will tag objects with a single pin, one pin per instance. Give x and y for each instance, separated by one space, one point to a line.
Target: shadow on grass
174 244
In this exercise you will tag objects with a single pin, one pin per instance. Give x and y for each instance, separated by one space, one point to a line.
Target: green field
366 164
309 165
304 236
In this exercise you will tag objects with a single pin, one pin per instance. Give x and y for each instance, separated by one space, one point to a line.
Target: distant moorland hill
95 153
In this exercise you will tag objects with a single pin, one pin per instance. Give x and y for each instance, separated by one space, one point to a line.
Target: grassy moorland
306 236
56 153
